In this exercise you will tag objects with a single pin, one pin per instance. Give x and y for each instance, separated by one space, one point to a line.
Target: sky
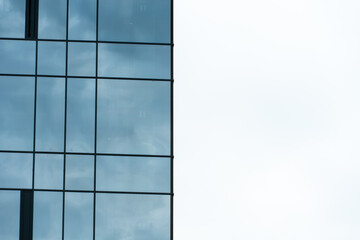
266 119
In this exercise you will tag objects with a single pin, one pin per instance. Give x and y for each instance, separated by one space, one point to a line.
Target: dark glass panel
79 172
82 59
49 171
140 217
80 115
138 174
50 114
9 215
17 57
78 216
134 61
134 20
12 18
16 170
134 117
51 58
48 215
82 19
17 113
52 19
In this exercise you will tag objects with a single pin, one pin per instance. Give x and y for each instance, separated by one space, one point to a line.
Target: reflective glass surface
78 216
82 59
12 18
80 115
16 170
133 117
17 57
17 113
138 174
79 172
9 215
48 215
52 19
134 61
140 217
51 58
49 171
50 114
82 19
135 20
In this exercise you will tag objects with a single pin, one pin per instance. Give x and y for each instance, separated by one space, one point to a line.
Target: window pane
17 57
79 216
80 115
48 215
135 61
49 171
9 215
82 19
16 170
140 217
12 18
79 172
138 174
52 19
134 117
134 20
17 113
82 59
51 58
50 114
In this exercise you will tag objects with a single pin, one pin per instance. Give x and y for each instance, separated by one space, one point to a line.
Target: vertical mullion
172 124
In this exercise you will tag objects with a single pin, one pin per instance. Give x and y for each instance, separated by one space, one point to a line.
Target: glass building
86 119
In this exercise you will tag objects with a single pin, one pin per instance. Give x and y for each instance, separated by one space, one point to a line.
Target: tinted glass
51 58
52 19
82 59
9 215
80 115
82 19
79 216
48 215
134 61
79 172
134 20
140 217
50 114
17 57
12 18
49 171
17 113
16 170
134 117
139 174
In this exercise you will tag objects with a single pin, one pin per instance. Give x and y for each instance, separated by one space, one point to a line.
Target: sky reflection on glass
79 172
17 57
52 19
12 18
49 171
82 19
51 59
9 215
16 170
82 59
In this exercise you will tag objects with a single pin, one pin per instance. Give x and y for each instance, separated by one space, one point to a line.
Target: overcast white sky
267 119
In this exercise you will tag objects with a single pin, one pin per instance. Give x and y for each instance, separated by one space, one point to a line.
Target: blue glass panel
50 112
133 117
79 172
135 20
17 57
138 174
12 18
51 58
82 19
140 217
134 61
16 170
17 113
49 171
48 215
9 215
82 59
80 115
52 19
78 216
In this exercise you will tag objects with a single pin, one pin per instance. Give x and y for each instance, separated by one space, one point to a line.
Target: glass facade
86 119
